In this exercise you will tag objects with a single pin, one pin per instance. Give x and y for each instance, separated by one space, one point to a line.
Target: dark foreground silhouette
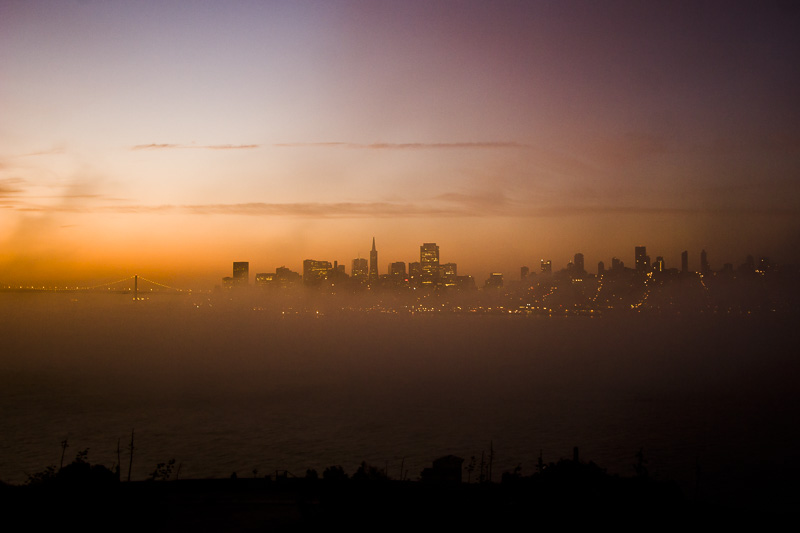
568 493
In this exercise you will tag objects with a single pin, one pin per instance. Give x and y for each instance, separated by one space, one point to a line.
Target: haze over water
228 388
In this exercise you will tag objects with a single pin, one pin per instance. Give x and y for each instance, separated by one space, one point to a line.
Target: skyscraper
705 268
415 272
579 266
642 261
685 261
373 263
546 266
241 273
360 269
429 262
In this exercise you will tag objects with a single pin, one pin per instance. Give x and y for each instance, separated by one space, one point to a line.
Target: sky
171 138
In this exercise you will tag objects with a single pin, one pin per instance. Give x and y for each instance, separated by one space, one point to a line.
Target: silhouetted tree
511 477
82 456
334 473
44 476
470 468
367 472
163 471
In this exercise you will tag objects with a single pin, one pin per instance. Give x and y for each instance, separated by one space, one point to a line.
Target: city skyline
430 271
173 139
247 272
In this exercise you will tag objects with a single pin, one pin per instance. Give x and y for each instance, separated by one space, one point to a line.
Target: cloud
491 202
414 146
52 151
9 186
406 146
567 210
327 210
230 146
297 209
305 209
154 146
321 144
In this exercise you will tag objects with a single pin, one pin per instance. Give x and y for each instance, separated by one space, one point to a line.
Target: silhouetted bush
79 473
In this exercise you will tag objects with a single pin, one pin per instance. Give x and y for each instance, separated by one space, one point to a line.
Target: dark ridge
568 493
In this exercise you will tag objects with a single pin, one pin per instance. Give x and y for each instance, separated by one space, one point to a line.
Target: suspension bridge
135 284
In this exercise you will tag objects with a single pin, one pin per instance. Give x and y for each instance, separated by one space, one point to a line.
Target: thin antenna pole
130 464
64 446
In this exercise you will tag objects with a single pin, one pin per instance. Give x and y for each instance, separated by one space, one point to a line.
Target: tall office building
705 268
373 263
360 269
546 266
523 272
494 281
658 266
429 262
601 268
415 271
397 269
315 271
241 273
286 277
578 264
642 261
750 264
448 270
685 261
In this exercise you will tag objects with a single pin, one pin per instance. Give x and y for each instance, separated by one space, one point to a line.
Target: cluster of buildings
644 265
754 286
427 272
